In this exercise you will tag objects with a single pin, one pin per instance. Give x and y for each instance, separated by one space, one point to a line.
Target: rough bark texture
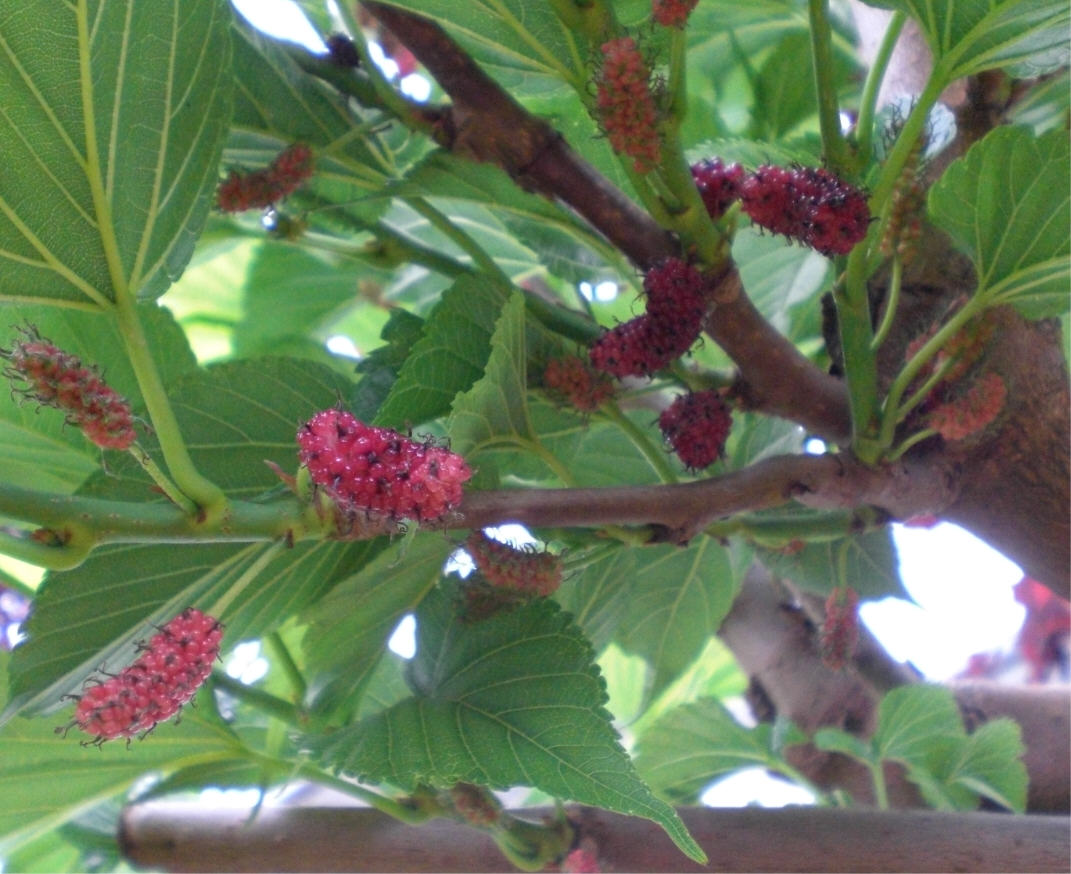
186 837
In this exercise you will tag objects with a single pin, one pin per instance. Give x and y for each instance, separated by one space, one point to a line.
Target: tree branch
487 124
188 837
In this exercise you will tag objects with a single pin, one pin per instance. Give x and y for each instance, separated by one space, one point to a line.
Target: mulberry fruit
840 628
171 668
58 379
571 378
378 470
672 13
697 425
519 570
260 189
626 105
808 204
718 184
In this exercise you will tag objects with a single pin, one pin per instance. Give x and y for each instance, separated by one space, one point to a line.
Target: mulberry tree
706 295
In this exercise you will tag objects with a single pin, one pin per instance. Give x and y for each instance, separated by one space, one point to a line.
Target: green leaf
449 358
495 408
833 740
1006 204
911 718
991 764
37 450
234 417
524 45
513 700
692 745
566 246
115 115
598 594
47 779
380 369
349 628
678 601
969 36
866 562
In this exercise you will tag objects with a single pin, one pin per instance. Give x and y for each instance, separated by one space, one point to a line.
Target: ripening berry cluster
626 106
718 184
972 411
260 189
518 570
172 666
697 425
570 378
676 309
55 378
807 204
672 13
378 470
840 628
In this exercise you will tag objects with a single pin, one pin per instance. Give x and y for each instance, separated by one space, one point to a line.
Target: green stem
921 393
60 557
466 243
892 302
881 795
205 494
892 410
411 815
101 521
860 364
263 701
162 480
387 95
269 554
655 455
562 320
282 658
913 440
864 125
834 146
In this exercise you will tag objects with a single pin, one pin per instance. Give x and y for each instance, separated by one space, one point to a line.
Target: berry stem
893 411
655 455
837 152
263 701
411 814
892 302
280 655
267 555
864 125
206 495
163 482
860 364
467 244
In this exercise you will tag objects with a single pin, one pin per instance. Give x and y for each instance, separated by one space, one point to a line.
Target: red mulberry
626 105
519 570
171 668
55 378
966 415
672 13
697 425
260 189
718 184
571 378
840 628
808 204
379 470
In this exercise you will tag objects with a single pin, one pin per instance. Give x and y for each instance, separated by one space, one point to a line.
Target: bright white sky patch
281 19
754 786
403 641
965 604
342 345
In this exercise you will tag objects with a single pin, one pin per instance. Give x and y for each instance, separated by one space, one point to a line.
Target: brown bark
775 642
188 837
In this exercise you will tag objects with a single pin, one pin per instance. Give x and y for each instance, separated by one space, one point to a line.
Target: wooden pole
188 837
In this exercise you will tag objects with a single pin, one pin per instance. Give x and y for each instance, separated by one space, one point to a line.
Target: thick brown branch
486 124
821 481
189 837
